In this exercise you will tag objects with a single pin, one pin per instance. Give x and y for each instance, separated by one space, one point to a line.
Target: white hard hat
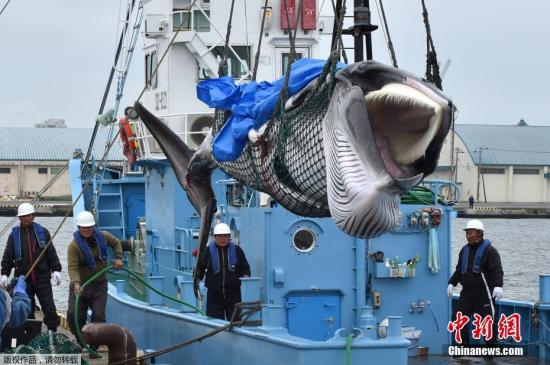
474 224
85 219
221 228
25 209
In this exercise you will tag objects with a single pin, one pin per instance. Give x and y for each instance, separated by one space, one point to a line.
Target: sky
56 56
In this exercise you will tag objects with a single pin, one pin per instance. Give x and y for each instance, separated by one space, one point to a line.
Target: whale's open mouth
403 121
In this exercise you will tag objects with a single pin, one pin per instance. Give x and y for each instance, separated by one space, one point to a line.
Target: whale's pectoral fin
193 170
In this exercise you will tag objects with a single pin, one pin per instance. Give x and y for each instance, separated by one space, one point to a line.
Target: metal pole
479 166
358 37
368 35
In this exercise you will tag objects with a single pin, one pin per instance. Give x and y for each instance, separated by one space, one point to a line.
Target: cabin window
282 57
285 57
492 171
42 170
304 240
198 21
238 69
5 170
522 171
150 66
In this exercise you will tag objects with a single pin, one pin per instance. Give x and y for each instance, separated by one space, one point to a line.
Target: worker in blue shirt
15 310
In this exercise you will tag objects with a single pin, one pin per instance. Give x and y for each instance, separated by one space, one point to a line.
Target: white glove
450 290
497 293
56 275
3 281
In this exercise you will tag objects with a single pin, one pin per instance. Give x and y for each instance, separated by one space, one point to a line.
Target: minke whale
378 134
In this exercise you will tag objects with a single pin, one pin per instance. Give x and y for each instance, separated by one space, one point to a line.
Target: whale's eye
304 240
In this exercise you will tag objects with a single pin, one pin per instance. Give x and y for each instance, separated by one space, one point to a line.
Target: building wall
9 178
25 180
499 187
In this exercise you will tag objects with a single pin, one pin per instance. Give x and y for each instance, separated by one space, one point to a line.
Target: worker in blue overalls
479 270
25 244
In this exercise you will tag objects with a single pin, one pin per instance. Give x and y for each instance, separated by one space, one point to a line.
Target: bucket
422 351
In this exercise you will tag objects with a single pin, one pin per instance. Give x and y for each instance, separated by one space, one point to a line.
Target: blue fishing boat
321 291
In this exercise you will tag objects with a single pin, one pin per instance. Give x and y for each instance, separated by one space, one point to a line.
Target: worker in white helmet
479 270
86 256
25 244
222 264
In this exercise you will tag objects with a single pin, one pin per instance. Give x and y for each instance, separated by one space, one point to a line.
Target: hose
422 195
349 340
135 276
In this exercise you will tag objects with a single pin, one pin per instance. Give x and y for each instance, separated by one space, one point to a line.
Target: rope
283 95
177 346
432 66
5 5
246 35
422 195
257 56
386 32
38 195
85 187
135 276
154 73
339 39
223 62
109 81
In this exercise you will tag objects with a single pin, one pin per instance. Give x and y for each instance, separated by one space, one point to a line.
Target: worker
25 244
223 264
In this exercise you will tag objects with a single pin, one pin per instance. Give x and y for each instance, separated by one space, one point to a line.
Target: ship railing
204 25
184 125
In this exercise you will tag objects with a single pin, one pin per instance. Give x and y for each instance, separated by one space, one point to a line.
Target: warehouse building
31 157
498 163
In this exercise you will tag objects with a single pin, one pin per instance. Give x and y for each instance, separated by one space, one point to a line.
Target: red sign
291 6
508 326
309 14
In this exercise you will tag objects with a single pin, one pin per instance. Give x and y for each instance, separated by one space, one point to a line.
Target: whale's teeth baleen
346 150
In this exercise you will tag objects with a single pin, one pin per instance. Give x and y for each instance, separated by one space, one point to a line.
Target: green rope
349 340
422 195
135 276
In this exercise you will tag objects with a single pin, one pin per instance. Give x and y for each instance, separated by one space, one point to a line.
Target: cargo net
288 162
48 343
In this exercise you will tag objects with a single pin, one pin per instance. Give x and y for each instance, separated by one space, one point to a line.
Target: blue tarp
251 104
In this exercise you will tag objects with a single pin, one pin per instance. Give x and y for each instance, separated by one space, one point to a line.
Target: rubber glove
56 275
4 281
497 293
450 290
20 286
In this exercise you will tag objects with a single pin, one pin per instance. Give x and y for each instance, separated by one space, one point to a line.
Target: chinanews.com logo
482 328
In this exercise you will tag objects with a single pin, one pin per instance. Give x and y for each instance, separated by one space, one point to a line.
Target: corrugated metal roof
507 144
53 144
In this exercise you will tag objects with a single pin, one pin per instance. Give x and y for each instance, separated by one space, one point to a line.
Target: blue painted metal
313 314
311 299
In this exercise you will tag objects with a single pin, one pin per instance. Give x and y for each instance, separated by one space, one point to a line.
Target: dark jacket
47 264
472 283
225 281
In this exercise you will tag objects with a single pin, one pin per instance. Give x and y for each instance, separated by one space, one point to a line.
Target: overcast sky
56 56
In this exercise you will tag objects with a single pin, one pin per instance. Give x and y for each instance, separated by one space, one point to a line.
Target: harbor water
522 244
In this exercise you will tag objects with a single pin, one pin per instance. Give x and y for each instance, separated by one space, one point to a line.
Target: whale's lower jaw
369 217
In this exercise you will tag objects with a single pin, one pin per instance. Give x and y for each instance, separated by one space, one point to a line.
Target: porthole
304 240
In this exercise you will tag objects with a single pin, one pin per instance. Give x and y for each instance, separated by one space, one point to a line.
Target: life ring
129 143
